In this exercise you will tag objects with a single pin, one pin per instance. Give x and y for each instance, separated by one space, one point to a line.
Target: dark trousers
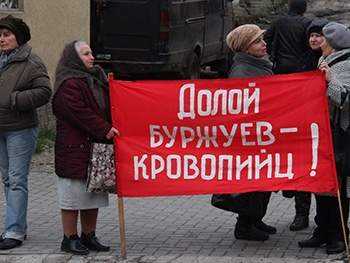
328 220
248 220
302 203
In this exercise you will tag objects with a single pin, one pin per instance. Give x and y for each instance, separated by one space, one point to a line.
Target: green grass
46 140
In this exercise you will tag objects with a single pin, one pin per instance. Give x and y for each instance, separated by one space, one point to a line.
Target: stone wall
250 11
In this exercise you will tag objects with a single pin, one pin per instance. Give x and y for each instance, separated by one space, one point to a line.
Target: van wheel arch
192 71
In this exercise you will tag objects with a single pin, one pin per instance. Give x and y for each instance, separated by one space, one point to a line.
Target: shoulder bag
101 171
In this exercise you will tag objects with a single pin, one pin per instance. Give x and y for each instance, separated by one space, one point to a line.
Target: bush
46 140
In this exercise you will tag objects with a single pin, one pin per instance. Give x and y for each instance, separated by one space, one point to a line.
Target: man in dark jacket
291 40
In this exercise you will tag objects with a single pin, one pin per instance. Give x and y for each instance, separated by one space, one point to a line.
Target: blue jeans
16 150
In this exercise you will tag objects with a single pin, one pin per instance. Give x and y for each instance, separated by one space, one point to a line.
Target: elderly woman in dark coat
335 63
250 49
81 106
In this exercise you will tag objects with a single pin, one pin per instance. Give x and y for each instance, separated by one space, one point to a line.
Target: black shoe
335 247
2 239
73 245
299 223
312 242
92 242
9 243
266 228
250 232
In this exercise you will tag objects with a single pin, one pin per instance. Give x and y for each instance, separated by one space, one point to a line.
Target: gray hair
78 44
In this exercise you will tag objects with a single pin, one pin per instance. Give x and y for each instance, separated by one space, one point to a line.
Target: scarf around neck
5 58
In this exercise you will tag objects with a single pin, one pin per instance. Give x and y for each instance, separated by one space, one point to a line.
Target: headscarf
316 26
70 65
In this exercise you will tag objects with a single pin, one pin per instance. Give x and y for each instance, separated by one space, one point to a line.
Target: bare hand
112 132
326 70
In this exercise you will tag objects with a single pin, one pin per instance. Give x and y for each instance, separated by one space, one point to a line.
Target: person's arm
38 92
337 79
268 37
71 102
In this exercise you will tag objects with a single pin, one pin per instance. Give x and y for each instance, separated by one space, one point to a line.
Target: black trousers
302 203
328 220
248 220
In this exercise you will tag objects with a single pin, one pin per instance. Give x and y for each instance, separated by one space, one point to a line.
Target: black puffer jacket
292 41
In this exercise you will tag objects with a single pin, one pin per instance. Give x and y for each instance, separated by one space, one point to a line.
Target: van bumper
132 67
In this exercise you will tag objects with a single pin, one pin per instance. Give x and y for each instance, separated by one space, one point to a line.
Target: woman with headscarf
335 63
81 105
308 61
25 86
247 42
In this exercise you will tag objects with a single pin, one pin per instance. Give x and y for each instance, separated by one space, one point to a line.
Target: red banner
189 137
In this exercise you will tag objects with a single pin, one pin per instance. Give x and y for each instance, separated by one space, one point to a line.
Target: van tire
193 69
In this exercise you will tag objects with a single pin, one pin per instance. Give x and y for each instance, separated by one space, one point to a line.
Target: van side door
214 24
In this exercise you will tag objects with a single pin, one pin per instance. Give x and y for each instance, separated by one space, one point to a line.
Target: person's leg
88 219
19 146
322 217
336 242
258 223
69 222
4 165
320 234
302 209
71 241
245 229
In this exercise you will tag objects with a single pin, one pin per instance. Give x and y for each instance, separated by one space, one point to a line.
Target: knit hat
337 35
241 37
316 26
18 27
298 6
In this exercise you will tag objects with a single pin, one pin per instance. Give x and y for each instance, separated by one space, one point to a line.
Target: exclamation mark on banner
314 137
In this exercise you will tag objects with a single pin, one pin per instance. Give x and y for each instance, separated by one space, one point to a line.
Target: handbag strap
344 95
338 59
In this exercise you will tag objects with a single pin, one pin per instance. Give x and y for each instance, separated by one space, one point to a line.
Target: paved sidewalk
179 229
